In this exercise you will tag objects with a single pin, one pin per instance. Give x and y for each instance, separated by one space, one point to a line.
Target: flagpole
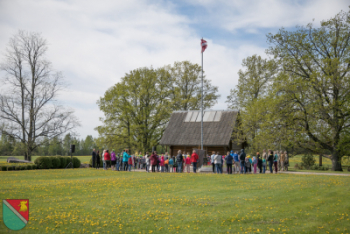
202 105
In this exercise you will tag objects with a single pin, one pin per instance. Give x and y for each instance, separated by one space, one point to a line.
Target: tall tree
253 85
314 88
28 109
185 87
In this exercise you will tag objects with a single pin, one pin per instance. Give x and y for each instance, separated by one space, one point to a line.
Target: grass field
97 201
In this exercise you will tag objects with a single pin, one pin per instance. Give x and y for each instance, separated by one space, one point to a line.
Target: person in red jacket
194 159
107 158
154 161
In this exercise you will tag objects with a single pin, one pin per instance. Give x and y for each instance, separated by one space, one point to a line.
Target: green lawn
97 201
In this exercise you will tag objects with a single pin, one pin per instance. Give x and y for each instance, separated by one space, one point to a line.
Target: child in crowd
275 161
162 163
247 164
188 163
171 164
255 164
264 165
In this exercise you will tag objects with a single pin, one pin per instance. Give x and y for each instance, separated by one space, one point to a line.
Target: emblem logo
15 213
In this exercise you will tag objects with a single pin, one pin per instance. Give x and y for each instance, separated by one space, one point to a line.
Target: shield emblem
15 213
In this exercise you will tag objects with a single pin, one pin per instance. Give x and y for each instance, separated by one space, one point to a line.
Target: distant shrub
34 166
68 160
76 162
29 167
56 162
17 168
23 168
3 168
62 161
308 161
10 168
43 162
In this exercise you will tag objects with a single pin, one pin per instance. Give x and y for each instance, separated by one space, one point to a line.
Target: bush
29 167
34 166
68 160
308 161
10 168
76 162
17 168
3 168
62 161
43 162
56 162
23 168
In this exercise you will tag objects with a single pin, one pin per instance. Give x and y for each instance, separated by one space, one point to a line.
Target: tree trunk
336 162
320 160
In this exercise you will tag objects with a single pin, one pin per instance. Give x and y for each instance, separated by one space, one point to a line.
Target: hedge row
45 162
19 167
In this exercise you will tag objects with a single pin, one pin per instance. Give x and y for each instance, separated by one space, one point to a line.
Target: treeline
138 108
50 147
298 98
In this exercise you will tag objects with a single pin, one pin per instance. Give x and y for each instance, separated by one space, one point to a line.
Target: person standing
286 161
107 158
93 158
113 160
194 160
212 159
154 161
130 162
259 162
217 161
117 161
242 161
162 163
236 161
179 161
188 163
98 159
265 155
171 164
147 161
255 164
166 162
229 160
126 157
270 160
248 165
275 161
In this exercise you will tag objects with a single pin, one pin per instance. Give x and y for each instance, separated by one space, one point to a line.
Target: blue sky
94 43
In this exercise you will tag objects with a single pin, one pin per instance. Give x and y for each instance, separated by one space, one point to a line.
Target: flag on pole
204 45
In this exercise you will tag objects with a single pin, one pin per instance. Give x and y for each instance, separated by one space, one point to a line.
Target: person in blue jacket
126 157
229 159
235 161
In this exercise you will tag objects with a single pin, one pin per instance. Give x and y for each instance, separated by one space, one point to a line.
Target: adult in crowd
130 162
103 158
265 155
179 161
212 160
275 161
286 161
229 160
166 161
258 157
93 158
236 160
154 161
255 164
107 158
147 160
113 160
270 160
242 161
194 160
248 164
217 161
117 162
172 164
126 157
98 161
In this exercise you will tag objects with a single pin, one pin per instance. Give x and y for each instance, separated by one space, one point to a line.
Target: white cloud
95 43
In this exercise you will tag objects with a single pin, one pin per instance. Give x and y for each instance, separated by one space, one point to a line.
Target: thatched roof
184 128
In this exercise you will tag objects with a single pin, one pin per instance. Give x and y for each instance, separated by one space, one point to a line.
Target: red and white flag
204 45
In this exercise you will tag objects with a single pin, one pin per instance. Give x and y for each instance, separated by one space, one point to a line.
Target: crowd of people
149 162
235 162
242 163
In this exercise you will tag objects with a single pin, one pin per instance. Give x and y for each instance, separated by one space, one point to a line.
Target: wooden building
184 131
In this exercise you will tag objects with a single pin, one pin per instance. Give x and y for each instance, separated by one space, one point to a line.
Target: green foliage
67 161
43 162
34 166
76 162
29 167
138 108
3 168
308 160
9 168
56 162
